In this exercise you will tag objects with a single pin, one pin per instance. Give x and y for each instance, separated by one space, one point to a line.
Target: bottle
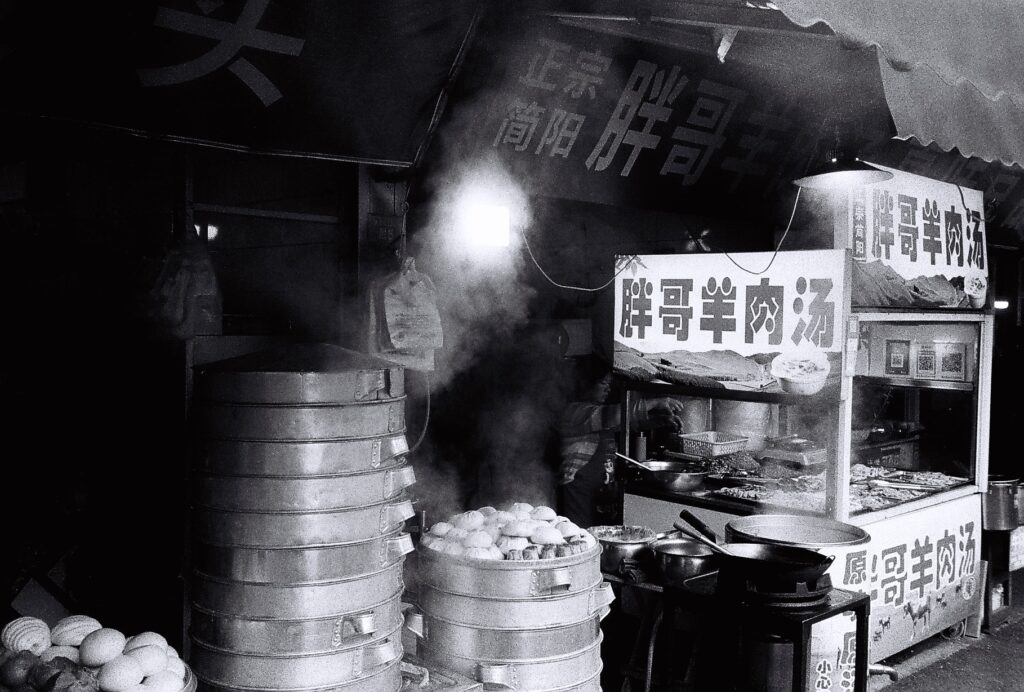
641 447
608 498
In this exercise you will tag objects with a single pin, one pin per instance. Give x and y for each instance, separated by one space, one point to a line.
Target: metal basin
676 476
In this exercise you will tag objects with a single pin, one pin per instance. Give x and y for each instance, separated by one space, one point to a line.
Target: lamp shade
842 173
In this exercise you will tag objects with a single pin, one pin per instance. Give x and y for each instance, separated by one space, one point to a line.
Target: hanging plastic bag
185 299
405 324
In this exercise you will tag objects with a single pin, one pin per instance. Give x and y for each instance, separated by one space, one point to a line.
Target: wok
766 563
763 562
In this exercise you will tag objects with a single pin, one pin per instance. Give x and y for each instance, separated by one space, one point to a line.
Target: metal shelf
915 384
773 394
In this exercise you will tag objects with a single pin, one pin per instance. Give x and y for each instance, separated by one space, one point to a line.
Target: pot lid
301 374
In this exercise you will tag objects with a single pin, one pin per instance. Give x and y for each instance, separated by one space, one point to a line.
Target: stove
781 594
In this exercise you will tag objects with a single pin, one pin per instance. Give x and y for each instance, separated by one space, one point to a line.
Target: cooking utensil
675 476
632 461
765 563
698 524
680 558
623 543
693 533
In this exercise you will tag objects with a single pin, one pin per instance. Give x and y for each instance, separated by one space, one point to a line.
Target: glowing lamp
487 225
1001 304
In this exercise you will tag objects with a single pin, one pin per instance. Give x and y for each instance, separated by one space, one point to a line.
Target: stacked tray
523 625
298 519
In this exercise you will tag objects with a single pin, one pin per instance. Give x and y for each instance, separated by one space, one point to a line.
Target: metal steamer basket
298 516
531 625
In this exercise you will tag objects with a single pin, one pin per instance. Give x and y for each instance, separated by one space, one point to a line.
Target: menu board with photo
917 243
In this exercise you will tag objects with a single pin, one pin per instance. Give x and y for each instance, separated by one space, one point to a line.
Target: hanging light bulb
840 171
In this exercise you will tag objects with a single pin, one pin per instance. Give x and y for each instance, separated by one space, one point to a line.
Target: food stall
848 384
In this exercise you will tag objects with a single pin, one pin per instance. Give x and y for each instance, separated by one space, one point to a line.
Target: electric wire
792 215
426 416
603 286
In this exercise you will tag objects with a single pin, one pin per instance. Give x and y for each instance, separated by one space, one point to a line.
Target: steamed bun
501 517
518 528
440 529
469 521
543 514
546 535
478 539
482 553
451 548
568 529
522 507
507 543
487 511
456 535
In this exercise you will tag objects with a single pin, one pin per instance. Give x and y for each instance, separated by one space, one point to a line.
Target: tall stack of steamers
298 516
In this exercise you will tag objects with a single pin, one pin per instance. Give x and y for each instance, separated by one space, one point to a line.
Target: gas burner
779 593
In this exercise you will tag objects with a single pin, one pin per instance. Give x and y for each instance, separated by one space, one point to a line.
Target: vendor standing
588 443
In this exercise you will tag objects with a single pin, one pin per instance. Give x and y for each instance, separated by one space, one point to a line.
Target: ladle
693 533
633 461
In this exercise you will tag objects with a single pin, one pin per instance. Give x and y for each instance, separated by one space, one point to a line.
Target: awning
951 69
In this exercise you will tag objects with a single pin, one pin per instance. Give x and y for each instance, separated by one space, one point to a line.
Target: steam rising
499 386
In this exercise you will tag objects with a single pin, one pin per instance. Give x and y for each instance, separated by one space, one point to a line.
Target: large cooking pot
679 558
623 543
294 422
675 476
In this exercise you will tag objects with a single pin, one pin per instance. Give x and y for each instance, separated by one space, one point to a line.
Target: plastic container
712 443
999 511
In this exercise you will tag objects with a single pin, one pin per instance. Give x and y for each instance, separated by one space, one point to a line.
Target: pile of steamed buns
522 532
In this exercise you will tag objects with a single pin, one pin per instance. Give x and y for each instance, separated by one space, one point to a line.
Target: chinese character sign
927 233
921 571
706 302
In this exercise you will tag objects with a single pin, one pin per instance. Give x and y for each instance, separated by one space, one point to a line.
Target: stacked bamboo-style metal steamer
523 625
298 518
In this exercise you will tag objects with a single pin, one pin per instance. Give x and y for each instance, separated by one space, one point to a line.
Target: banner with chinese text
918 242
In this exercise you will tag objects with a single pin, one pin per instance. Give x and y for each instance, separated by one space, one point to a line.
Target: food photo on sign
700 321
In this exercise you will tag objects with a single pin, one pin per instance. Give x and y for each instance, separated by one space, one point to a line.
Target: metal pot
299 529
301 458
253 493
509 579
619 543
295 635
301 601
680 558
676 476
516 614
386 679
294 671
302 565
